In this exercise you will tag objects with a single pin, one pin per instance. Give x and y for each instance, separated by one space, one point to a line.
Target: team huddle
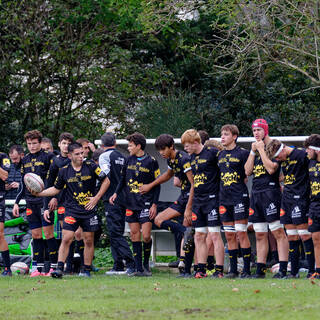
212 177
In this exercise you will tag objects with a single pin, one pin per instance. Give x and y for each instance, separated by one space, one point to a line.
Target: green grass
162 296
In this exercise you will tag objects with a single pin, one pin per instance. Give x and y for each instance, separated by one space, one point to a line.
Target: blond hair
190 136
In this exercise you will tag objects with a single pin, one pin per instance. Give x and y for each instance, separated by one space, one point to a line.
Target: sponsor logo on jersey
194 216
94 221
70 220
272 209
296 212
61 210
222 210
239 208
29 212
129 212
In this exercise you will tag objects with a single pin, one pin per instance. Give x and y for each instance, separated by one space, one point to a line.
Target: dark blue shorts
180 204
231 213
138 216
88 224
35 216
265 206
294 211
314 217
205 213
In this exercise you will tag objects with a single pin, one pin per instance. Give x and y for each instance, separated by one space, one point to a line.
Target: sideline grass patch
162 296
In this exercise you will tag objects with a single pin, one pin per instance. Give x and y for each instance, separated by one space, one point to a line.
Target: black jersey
205 173
314 176
135 173
5 165
58 162
232 175
79 186
296 174
111 163
262 180
180 165
39 164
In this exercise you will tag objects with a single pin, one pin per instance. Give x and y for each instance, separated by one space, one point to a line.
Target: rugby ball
19 268
33 182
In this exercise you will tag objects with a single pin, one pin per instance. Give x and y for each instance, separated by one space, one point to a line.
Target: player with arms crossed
234 199
79 180
265 200
178 166
36 161
295 201
205 207
139 169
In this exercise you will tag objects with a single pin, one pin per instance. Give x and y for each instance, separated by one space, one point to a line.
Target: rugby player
36 161
295 201
205 207
111 162
265 200
79 180
179 166
58 162
4 173
312 145
139 169
234 199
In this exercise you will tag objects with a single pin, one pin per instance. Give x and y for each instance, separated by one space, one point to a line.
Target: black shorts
265 206
61 211
35 216
205 213
294 211
231 213
138 216
180 204
88 224
314 217
2 209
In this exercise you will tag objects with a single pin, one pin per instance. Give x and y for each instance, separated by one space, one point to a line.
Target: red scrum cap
261 123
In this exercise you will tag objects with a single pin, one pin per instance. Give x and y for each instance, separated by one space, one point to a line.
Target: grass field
162 296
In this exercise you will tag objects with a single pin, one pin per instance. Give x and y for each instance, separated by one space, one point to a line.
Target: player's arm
270 166
50 192
160 180
3 174
188 210
248 167
94 200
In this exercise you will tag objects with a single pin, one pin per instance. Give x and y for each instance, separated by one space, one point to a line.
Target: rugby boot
58 273
217 274
147 272
84 274
245 275
279 275
6 273
259 276
293 276
35 273
315 275
200 275
232 275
